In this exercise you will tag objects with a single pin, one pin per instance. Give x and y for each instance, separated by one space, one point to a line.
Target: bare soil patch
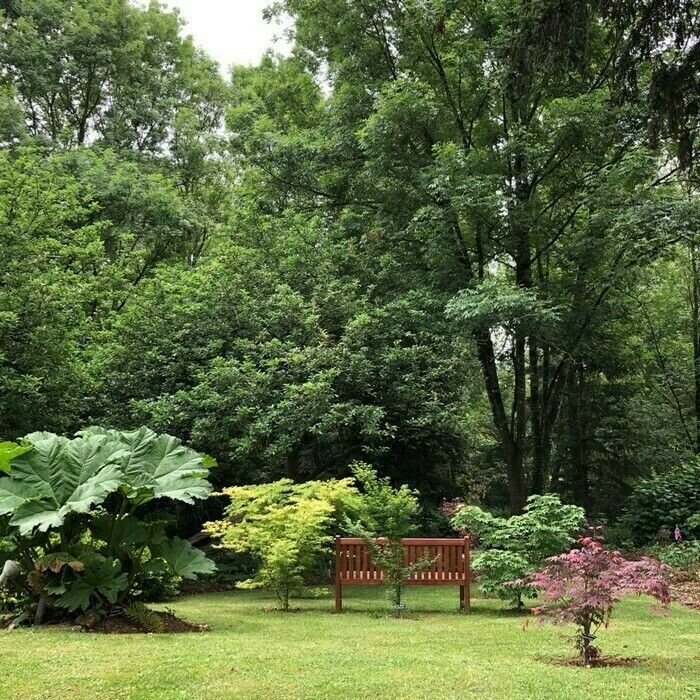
599 662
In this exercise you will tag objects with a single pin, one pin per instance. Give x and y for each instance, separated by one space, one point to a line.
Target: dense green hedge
664 501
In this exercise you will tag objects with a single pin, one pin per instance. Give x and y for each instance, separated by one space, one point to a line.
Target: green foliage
100 580
286 562
281 381
262 263
12 127
182 559
105 67
149 620
495 303
107 121
693 522
386 511
490 155
155 582
8 451
512 548
287 527
503 573
683 556
664 501
157 466
388 555
70 507
231 566
47 242
57 478
390 514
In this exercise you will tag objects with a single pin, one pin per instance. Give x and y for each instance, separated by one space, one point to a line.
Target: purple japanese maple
583 586
449 508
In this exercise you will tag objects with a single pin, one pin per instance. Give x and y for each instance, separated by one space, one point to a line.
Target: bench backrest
449 561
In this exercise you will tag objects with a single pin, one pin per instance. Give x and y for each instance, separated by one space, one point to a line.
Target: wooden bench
450 566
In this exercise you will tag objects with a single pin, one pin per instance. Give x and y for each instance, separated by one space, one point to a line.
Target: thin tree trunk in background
545 398
540 465
294 465
520 225
580 485
695 317
519 427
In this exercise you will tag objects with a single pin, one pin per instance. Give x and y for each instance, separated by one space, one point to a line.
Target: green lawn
312 653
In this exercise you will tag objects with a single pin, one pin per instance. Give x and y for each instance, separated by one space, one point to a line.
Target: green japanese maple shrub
287 527
387 514
511 549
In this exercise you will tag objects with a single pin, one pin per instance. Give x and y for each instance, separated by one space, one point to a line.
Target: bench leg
464 598
338 598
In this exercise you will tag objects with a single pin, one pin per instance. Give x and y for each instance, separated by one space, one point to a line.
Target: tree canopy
456 240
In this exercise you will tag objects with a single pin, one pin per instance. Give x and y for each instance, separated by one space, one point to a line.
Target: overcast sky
230 31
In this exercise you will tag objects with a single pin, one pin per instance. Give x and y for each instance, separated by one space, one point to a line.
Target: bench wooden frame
451 566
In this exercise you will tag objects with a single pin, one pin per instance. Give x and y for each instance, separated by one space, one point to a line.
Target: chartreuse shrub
510 549
662 502
583 586
287 527
73 511
391 514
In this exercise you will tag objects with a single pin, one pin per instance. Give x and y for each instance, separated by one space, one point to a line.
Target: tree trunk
695 305
580 481
540 461
294 465
513 452
519 429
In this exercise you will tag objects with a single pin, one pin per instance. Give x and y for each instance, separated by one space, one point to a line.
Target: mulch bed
171 624
687 593
600 662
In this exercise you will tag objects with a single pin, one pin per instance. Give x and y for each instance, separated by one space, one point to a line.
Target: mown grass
436 653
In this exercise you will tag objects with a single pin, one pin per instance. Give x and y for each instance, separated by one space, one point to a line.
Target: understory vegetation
75 523
511 549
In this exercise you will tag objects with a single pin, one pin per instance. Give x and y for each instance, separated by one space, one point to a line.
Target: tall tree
501 144
91 69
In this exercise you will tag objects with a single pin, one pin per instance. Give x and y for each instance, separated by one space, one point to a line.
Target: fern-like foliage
146 618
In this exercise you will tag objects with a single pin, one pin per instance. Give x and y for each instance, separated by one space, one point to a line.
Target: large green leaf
184 560
159 466
10 451
101 579
12 495
59 477
129 531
